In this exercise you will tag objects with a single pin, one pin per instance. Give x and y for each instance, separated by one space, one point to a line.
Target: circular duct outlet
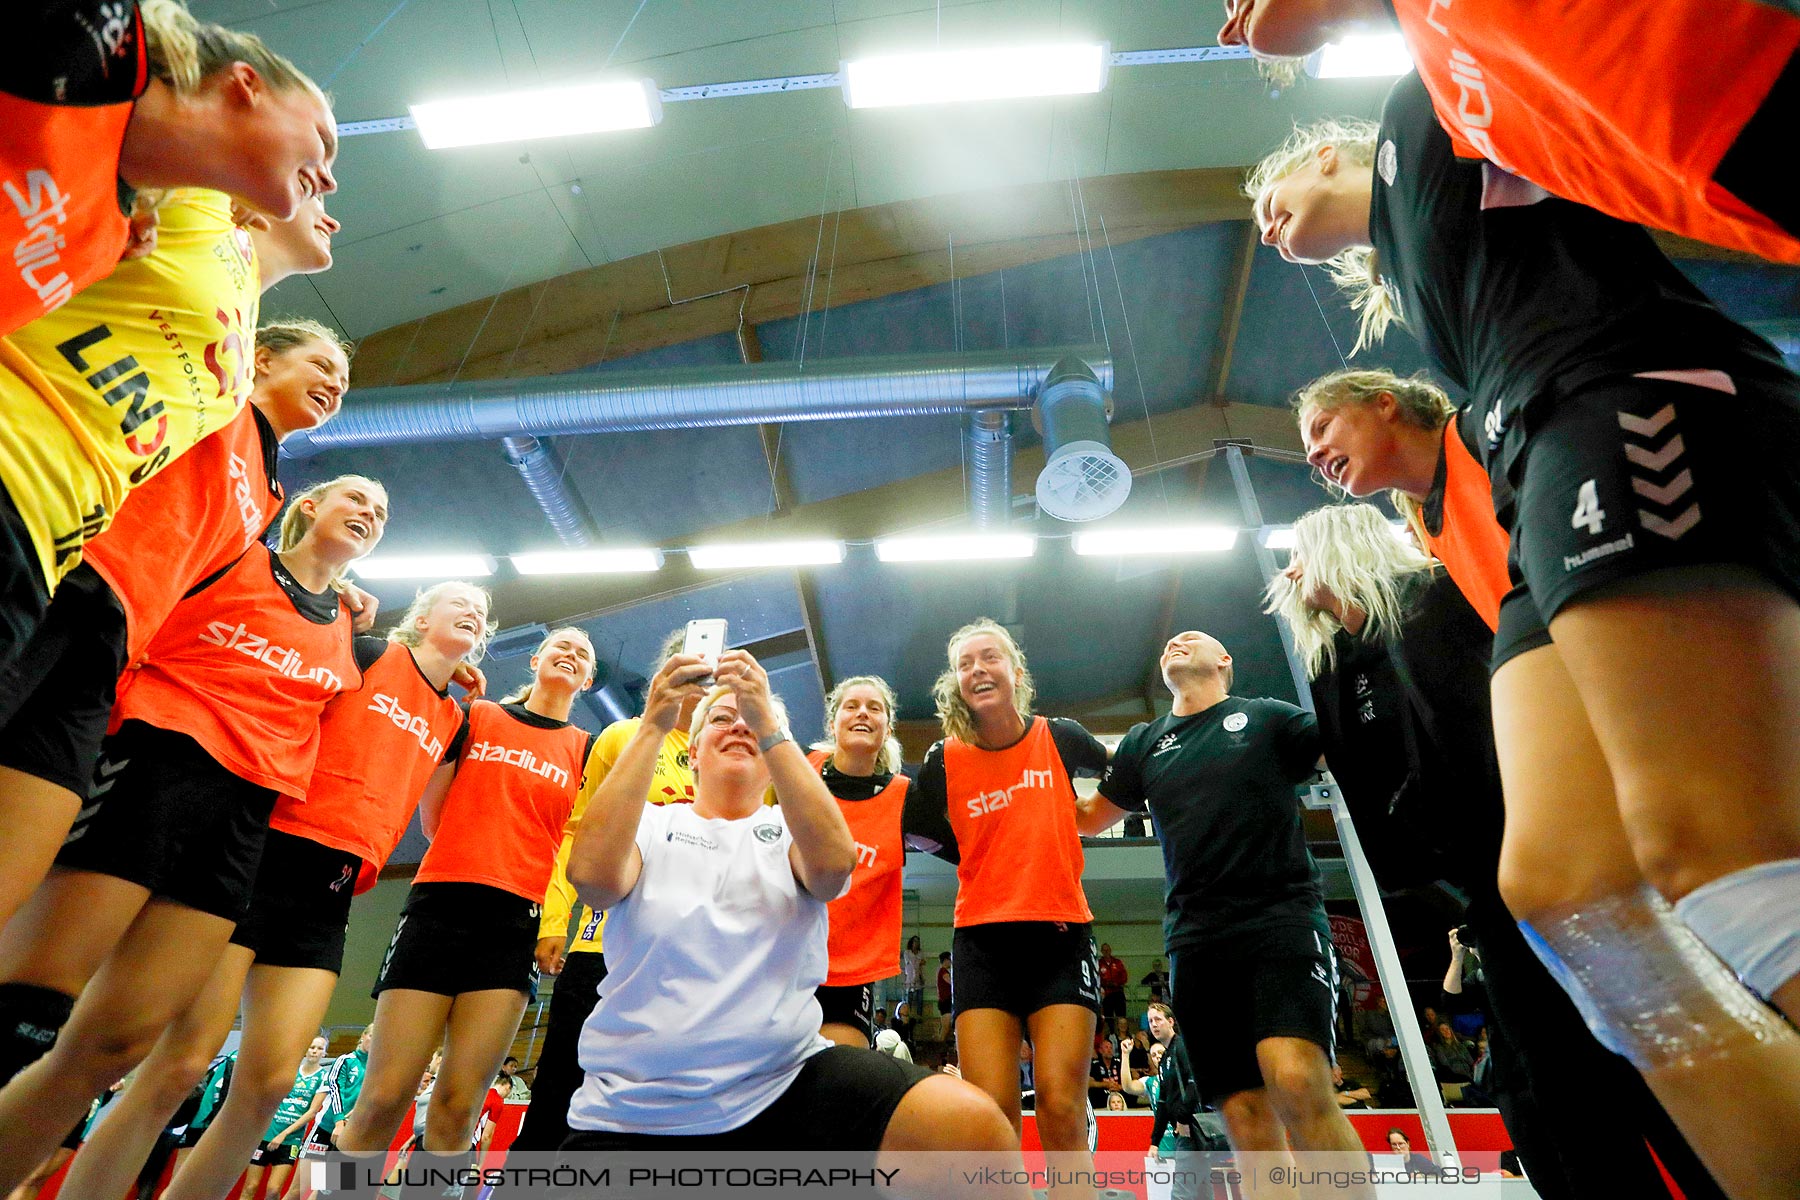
1084 481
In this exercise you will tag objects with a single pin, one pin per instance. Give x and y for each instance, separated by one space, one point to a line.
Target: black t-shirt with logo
1221 785
1518 296
74 52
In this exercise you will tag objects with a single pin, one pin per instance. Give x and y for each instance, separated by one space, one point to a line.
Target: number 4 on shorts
1588 514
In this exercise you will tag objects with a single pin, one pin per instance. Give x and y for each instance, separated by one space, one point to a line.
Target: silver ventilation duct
988 436
1082 479
982 385
542 469
692 398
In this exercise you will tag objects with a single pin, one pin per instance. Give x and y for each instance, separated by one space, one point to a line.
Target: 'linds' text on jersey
989 802
283 660
495 752
390 708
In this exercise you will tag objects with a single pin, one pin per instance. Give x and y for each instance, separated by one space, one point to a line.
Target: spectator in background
1113 978
521 1091
1418 1164
943 991
1377 1032
1115 1102
1350 1093
1451 1055
889 1042
905 1020
881 1019
1157 980
1103 1073
489 1118
1177 1101
912 974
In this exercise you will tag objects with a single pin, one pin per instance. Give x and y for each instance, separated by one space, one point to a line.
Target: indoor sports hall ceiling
786 226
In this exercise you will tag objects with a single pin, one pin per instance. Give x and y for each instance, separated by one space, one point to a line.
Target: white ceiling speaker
1082 479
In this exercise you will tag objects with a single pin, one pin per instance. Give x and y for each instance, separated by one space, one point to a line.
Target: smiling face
862 722
725 756
348 521
1191 655
280 142
1353 446
1311 214
301 387
456 622
565 661
986 676
304 240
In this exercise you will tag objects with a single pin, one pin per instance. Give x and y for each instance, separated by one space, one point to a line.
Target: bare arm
1096 814
604 861
431 803
1453 978
823 854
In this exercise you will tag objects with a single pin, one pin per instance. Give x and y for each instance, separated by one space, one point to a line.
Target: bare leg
152 975
1705 758
409 1025
1062 1046
1565 851
482 1028
940 1115
112 1158
1297 1084
30 1188
987 1046
282 1010
36 815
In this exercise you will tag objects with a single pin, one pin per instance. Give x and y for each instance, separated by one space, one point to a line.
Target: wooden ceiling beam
708 287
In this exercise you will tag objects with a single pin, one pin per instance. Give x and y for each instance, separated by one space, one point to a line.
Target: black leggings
546 1123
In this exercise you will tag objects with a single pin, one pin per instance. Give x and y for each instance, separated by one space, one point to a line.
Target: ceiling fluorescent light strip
1361 56
1174 539
950 76
727 556
538 113
974 547
587 562
424 566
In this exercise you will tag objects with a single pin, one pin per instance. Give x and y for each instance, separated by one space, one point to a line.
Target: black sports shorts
24 596
842 1100
852 1005
163 814
1022 966
462 937
1641 474
268 1154
1233 993
57 694
300 904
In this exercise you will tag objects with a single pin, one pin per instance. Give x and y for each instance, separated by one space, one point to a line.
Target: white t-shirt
707 1013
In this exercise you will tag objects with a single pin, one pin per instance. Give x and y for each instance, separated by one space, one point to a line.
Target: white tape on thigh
1646 985
1751 919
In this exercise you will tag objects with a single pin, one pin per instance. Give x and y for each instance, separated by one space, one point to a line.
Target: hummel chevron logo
1648 426
1669 492
1670 529
1659 461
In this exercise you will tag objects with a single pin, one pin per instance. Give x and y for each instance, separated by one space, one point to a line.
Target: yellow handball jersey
109 389
673 783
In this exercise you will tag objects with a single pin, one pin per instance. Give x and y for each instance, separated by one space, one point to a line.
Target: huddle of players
1612 507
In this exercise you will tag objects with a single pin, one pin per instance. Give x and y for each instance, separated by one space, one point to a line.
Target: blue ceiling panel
1294 329
1746 291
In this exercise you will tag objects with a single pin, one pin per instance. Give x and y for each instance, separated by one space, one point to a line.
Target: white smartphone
706 639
